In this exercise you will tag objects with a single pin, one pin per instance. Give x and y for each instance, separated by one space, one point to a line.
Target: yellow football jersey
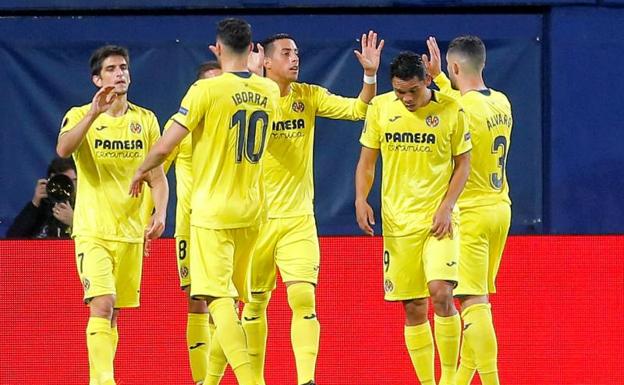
490 122
289 159
230 118
182 156
112 150
417 149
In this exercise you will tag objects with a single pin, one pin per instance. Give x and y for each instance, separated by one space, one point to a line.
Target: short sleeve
371 132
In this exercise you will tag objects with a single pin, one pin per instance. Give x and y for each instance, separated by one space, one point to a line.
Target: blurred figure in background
49 215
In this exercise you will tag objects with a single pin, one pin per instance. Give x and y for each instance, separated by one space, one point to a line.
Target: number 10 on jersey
247 129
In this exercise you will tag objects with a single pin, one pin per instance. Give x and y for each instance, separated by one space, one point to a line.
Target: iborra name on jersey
249 97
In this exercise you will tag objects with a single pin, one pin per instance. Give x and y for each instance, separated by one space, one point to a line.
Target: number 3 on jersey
497 179
246 140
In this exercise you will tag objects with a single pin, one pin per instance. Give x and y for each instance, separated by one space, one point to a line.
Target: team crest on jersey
135 128
86 284
388 286
298 106
432 121
184 272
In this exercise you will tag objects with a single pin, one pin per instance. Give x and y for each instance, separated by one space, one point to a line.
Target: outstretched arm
157 155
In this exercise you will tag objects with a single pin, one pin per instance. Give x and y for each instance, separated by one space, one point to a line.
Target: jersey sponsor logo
288 129
100 128
467 137
105 144
118 149
184 272
183 110
135 128
250 97
394 118
86 283
251 318
466 326
311 316
298 106
451 264
410 137
432 121
388 286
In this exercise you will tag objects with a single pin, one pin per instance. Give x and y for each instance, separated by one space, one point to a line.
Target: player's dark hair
471 47
268 43
60 165
100 54
207 66
406 66
234 33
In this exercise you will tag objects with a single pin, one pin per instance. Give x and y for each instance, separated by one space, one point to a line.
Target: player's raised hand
433 63
255 60
442 224
103 100
365 217
371 53
136 185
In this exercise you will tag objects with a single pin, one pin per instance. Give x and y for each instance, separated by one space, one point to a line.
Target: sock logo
451 264
251 318
466 326
196 345
311 316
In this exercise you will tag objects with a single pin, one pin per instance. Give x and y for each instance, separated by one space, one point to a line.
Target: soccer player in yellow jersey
425 146
485 207
108 139
198 326
289 240
229 117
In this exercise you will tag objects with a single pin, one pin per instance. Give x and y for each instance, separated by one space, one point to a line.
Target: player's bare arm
157 155
69 141
442 218
433 63
369 58
364 177
157 181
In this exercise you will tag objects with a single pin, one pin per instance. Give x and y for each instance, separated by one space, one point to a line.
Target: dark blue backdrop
45 71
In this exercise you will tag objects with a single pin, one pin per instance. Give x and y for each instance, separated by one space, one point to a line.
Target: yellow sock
419 342
198 344
217 361
305 329
467 366
447 336
232 338
480 337
255 325
115 340
100 347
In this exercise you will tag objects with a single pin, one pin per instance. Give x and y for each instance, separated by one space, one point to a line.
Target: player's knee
257 307
102 306
301 299
415 311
